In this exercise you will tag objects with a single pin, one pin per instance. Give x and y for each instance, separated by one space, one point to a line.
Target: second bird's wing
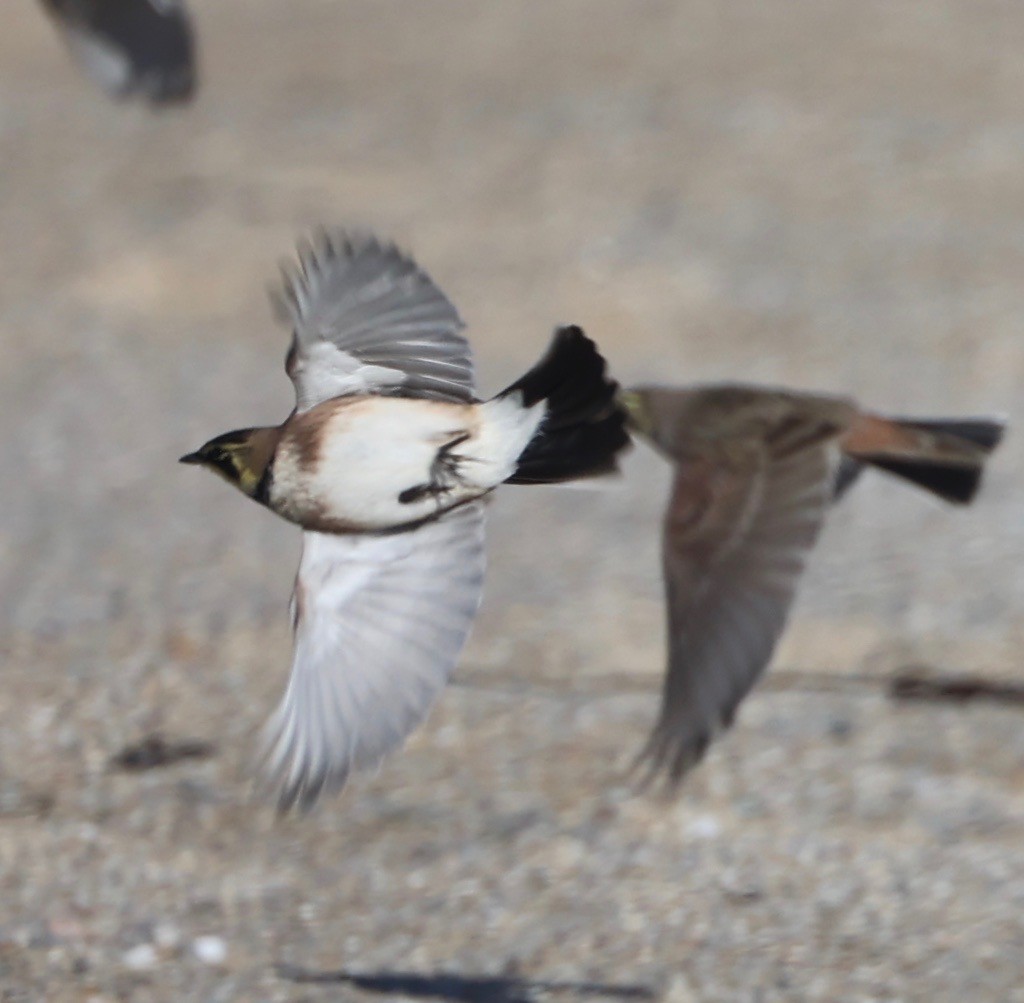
379 624
367 319
737 532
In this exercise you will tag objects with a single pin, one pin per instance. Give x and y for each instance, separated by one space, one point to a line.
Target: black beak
196 457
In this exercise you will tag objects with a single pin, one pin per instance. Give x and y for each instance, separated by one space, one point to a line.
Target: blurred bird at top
386 462
755 471
143 48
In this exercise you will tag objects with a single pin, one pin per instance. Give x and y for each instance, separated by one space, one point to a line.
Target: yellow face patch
247 477
231 461
636 409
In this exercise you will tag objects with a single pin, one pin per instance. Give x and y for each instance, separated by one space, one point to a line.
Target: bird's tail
582 429
943 456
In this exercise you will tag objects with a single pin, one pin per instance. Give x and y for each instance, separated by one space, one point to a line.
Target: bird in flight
131 47
386 462
755 472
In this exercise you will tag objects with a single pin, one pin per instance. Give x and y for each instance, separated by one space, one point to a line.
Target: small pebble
210 950
679 990
140 958
167 936
704 827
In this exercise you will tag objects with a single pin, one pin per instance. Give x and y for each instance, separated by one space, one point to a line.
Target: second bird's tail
943 456
583 429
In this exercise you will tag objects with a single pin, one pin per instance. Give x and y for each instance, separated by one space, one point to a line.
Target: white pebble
703 827
167 936
680 990
141 957
210 950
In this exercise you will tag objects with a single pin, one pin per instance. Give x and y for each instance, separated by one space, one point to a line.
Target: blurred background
826 195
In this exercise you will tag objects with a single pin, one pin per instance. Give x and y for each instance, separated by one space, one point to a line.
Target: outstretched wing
737 532
366 319
379 624
129 47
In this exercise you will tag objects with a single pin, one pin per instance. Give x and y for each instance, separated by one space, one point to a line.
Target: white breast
349 461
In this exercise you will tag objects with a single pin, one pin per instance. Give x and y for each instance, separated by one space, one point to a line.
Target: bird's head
240 457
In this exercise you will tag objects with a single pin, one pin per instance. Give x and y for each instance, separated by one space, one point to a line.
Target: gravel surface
809 192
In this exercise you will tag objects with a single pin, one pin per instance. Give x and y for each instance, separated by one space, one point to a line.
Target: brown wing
739 525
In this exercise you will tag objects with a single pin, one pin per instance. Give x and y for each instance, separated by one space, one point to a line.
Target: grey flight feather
367 319
737 534
379 625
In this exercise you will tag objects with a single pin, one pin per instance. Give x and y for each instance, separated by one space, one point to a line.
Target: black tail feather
847 474
132 48
955 482
584 428
985 433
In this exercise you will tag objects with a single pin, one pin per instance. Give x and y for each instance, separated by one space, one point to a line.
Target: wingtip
294 786
662 766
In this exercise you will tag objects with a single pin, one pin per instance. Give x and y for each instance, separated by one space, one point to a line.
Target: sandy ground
811 192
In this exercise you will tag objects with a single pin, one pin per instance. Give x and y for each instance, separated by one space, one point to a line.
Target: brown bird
755 472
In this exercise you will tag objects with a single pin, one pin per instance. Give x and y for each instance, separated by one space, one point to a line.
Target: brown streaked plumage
756 470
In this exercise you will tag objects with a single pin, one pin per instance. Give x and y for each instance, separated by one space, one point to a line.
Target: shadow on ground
462 988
